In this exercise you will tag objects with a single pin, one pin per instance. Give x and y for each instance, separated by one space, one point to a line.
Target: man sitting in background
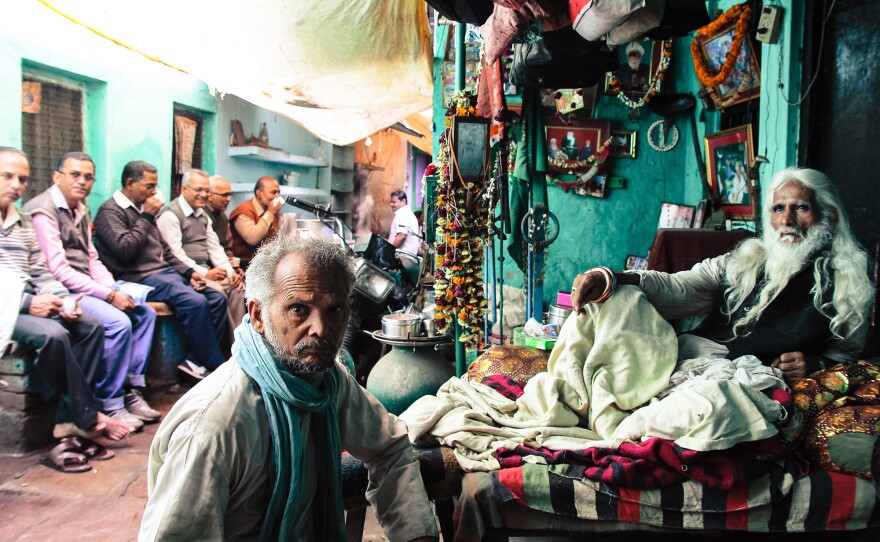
218 202
257 220
64 231
186 228
253 451
132 248
69 344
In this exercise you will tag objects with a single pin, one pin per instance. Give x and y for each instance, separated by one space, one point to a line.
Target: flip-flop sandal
91 449
63 458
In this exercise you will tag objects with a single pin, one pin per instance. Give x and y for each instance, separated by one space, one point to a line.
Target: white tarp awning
341 69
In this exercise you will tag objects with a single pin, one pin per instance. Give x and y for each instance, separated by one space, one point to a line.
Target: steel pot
558 314
401 326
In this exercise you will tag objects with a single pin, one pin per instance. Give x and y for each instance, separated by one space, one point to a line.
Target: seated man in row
186 228
218 202
253 451
797 299
64 231
69 344
257 220
130 245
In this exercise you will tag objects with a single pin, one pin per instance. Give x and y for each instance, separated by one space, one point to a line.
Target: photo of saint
733 179
586 151
634 74
569 146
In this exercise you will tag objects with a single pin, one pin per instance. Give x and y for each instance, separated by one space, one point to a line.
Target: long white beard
786 258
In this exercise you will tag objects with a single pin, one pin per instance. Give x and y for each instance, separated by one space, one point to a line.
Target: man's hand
45 305
197 281
795 366
235 281
587 287
73 315
153 205
123 302
275 206
216 274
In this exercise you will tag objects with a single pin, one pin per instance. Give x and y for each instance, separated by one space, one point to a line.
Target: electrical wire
818 63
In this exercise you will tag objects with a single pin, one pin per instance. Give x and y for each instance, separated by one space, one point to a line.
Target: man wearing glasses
132 248
64 232
186 228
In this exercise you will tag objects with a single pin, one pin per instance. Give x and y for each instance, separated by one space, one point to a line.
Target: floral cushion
516 363
841 408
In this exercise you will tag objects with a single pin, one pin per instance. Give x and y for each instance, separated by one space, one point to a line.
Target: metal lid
402 318
559 310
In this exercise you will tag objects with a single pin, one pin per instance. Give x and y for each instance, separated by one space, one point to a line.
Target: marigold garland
462 233
656 81
744 13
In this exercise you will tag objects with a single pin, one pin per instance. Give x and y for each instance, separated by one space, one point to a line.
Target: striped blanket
780 501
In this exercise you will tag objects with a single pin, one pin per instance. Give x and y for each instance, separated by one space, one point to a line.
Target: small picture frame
571 146
729 154
700 214
673 215
635 263
470 147
745 74
594 187
639 61
623 143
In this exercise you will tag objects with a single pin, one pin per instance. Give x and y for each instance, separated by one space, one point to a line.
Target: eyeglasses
75 175
222 194
148 186
199 190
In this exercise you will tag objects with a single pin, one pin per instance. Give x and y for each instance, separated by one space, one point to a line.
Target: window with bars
51 130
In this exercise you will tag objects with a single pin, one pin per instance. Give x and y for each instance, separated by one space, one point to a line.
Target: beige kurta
208 472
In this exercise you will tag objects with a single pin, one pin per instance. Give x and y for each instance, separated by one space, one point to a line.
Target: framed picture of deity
729 154
744 81
639 63
572 146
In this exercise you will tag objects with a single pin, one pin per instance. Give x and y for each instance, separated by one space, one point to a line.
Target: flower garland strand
462 233
656 81
744 13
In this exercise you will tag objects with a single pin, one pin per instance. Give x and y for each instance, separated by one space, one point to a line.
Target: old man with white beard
797 298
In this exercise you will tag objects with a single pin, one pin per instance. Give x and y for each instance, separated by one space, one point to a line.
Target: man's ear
255 311
56 176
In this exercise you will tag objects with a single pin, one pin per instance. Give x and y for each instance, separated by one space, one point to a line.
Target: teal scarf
289 399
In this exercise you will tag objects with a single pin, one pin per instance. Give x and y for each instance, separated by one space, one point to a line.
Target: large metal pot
401 326
558 314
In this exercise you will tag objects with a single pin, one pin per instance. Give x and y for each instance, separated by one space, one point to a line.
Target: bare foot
106 427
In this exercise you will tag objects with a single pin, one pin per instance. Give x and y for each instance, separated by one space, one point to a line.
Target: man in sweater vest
69 344
257 220
186 228
132 248
64 231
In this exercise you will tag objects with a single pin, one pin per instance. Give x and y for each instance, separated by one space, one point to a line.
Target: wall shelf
285 190
253 152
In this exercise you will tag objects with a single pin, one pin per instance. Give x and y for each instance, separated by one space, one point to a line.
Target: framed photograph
635 263
571 146
729 154
623 143
639 61
673 215
594 187
746 73
470 145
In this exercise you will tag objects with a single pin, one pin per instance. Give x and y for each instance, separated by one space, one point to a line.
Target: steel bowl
557 314
401 326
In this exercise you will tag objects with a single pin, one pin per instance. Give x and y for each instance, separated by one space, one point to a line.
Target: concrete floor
38 503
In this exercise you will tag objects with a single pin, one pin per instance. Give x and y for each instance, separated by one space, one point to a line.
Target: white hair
215 181
317 253
840 269
187 175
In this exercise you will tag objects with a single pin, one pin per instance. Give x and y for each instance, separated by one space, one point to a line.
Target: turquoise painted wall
604 231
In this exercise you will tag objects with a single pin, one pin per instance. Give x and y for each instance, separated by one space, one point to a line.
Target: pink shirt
99 284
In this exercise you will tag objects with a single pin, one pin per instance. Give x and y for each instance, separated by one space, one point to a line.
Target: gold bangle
111 296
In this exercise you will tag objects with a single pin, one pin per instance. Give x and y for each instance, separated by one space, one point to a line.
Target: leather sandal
91 449
64 458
